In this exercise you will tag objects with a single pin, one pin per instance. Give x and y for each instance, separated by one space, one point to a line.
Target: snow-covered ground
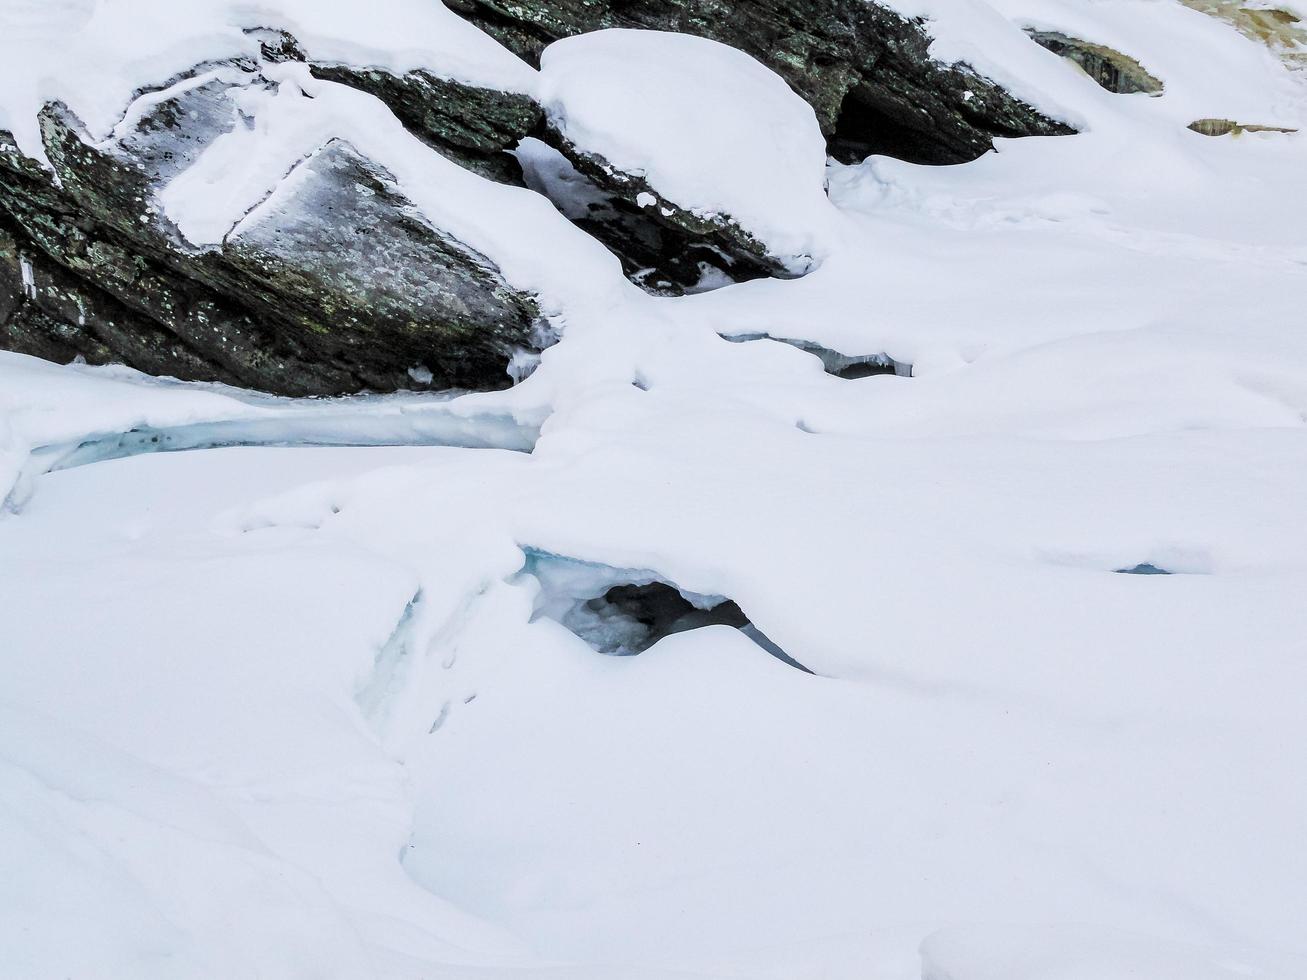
288 707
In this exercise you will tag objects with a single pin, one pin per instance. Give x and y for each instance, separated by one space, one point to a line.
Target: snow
1080 953
293 706
683 112
94 54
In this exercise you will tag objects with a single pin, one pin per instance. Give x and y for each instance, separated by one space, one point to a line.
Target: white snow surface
288 710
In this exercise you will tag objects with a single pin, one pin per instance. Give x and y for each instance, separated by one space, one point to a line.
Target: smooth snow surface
289 708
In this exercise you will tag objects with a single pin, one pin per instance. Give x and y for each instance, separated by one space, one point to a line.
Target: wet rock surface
865 69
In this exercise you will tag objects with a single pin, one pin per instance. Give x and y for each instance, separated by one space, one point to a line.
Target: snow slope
285 708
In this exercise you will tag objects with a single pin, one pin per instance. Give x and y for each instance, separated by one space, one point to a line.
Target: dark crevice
621 613
864 128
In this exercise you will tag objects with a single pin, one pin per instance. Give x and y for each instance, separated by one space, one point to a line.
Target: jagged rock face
1111 69
864 69
337 284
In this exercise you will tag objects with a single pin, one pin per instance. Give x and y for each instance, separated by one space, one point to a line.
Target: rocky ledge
335 282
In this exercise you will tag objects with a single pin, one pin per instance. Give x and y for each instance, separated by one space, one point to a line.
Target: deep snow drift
300 696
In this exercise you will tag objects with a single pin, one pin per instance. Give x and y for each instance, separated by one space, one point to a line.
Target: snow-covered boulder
228 230
866 69
698 134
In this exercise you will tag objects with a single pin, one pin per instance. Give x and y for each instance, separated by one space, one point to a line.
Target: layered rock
336 284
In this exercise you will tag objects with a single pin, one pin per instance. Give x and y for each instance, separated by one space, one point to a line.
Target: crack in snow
491 431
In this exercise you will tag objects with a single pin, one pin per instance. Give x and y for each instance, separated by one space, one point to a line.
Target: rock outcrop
475 127
1111 69
336 284
865 69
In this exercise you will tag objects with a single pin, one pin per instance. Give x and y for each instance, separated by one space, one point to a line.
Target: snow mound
705 124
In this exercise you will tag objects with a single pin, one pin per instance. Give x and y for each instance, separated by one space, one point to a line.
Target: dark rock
476 127
865 69
663 247
277 46
1144 568
47 312
293 303
347 249
1110 68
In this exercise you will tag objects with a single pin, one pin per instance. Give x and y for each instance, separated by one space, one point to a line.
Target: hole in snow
1111 69
621 612
847 366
